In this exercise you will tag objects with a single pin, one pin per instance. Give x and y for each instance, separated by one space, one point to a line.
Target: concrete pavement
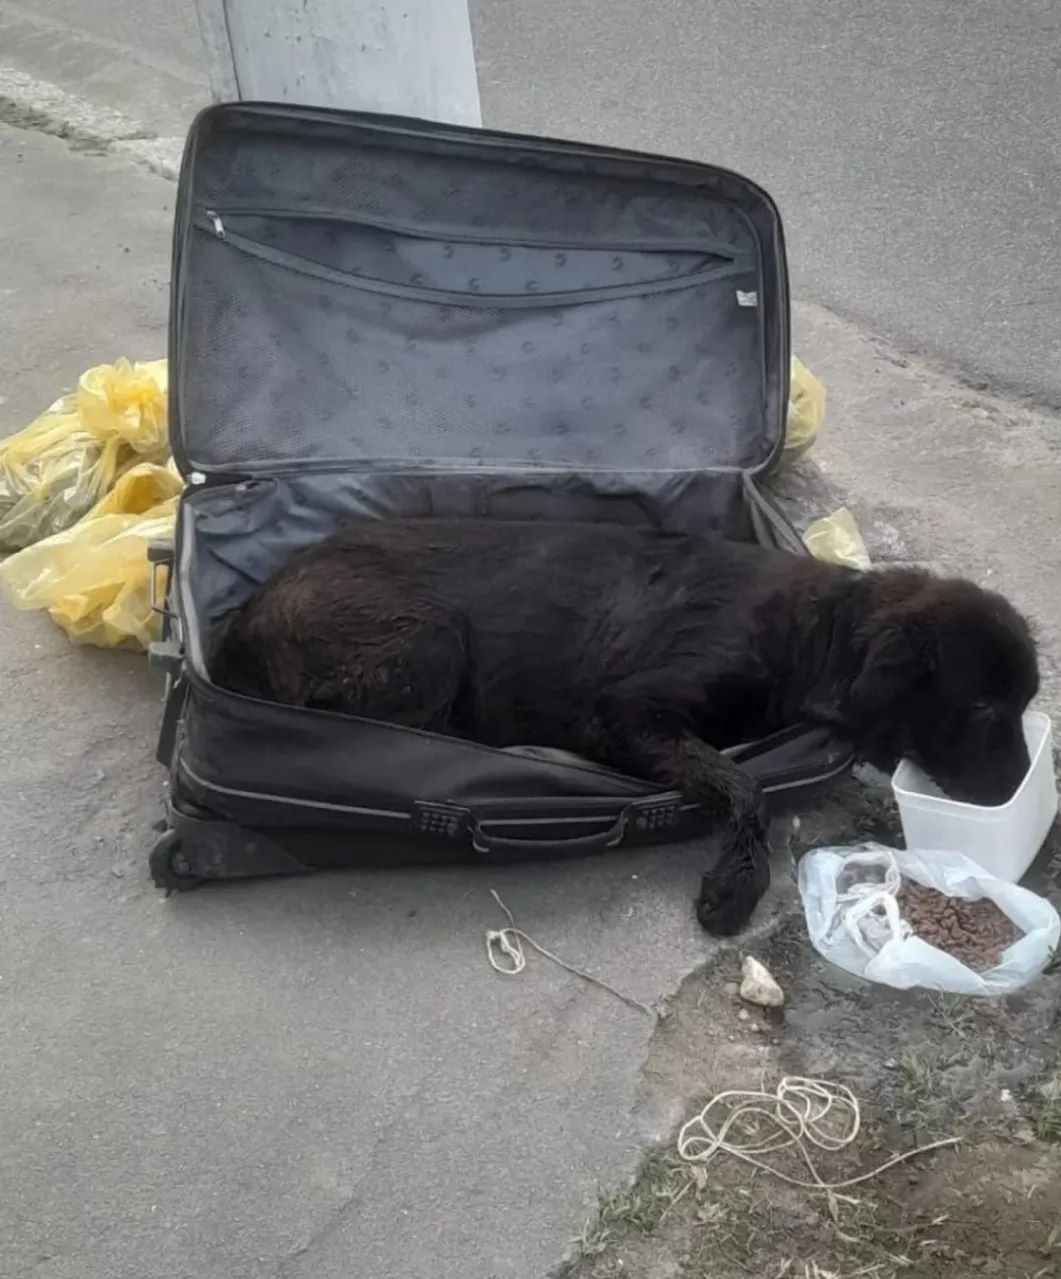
916 156
306 1078
141 60
323 1077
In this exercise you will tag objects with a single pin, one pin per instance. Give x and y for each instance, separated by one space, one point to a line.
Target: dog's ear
902 654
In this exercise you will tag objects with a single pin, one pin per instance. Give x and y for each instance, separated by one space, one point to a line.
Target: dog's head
947 673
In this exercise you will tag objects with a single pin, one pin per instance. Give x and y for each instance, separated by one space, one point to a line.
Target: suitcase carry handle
484 842
650 813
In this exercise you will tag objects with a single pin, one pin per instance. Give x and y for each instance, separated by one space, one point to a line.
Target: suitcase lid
357 290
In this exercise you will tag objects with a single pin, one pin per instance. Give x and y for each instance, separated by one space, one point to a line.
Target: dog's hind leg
412 671
729 892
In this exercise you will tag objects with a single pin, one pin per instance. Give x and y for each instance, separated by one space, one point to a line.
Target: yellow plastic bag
94 579
58 467
836 540
806 412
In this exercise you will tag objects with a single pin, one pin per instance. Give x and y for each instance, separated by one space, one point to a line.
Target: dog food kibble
974 932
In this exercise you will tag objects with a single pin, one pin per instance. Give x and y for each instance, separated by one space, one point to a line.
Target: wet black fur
645 651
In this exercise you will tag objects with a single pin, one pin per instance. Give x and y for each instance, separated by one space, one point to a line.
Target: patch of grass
1045 1117
859 1228
955 1014
727 1222
593 1240
1046 1121
1051 1245
918 1081
642 1206
736 1228
639 1207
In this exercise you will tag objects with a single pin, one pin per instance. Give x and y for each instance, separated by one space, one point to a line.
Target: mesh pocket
311 365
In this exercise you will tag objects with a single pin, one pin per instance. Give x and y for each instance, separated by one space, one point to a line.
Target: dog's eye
983 706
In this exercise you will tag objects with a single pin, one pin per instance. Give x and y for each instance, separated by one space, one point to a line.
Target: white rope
802 1113
508 942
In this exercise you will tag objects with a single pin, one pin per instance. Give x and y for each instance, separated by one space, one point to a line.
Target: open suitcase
388 317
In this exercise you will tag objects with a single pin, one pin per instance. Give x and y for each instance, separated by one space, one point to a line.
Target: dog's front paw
726 903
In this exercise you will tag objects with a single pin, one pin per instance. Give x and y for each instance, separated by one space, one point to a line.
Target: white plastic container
1004 840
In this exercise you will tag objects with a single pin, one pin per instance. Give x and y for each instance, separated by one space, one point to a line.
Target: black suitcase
388 317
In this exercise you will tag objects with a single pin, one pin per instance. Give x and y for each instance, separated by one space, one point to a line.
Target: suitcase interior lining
414 262
648 375
233 536
486 300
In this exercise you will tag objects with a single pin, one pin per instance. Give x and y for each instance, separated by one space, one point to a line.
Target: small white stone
744 1015
758 986
732 989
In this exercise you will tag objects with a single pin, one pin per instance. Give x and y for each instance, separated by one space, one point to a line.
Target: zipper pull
219 226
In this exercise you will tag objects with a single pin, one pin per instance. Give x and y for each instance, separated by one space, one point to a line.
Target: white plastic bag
849 900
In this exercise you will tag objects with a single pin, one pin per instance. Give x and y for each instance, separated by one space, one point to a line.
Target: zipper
530 472
764 506
286 260
317 214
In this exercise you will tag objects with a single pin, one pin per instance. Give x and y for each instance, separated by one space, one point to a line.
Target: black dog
645 651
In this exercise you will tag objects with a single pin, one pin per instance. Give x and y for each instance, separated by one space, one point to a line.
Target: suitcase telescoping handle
640 816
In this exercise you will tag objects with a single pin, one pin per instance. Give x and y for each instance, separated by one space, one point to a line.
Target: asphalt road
915 148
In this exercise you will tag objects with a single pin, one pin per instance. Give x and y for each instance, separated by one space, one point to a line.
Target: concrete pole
410 58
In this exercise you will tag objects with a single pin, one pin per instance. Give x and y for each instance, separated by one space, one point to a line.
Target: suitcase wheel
169 868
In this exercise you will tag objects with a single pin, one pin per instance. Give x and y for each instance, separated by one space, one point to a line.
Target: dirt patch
990 1209
923 1066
